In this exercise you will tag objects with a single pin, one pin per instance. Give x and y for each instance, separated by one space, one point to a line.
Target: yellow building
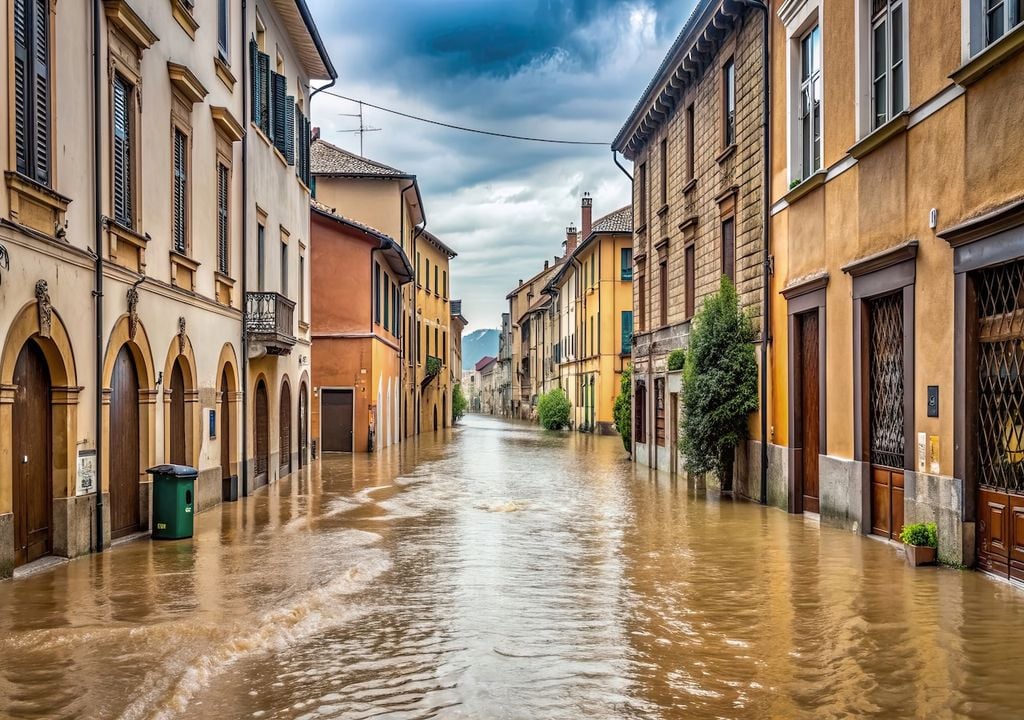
593 298
898 236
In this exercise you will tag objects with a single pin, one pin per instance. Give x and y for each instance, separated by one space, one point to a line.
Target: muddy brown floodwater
497 571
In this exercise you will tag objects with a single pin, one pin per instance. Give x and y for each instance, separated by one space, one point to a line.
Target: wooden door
176 419
659 411
262 459
673 442
124 446
336 420
886 412
225 426
285 431
809 407
303 424
32 457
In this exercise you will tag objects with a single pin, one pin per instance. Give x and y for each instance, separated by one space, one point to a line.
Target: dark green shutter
289 129
627 331
122 151
223 190
278 91
254 81
21 90
180 191
263 63
32 89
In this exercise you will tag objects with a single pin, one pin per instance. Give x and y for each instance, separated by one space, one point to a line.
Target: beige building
695 139
121 246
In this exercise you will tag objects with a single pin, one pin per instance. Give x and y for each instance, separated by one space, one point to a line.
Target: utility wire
507 136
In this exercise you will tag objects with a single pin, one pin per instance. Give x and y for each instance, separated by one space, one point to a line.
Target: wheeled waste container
174 491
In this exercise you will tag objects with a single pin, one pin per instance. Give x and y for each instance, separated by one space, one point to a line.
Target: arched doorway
303 424
32 456
225 425
124 445
285 430
262 426
176 416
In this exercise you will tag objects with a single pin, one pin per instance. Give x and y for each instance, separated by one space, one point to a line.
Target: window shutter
263 61
278 88
21 91
627 331
254 80
180 190
40 77
222 219
122 154
289 129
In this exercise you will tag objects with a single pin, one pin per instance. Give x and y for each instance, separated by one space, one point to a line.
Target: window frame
690 280
626 264
134 219
31 143
663 291
728 259
977 37
729 103
642 202
185 210
691 169
664 172
224 31
808 165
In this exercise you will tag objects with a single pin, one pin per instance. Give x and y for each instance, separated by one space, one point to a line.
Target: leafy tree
719 385
553 409
623 408
459 403
676 359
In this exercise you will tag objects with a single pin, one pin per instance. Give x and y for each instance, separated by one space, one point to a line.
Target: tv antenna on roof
362 129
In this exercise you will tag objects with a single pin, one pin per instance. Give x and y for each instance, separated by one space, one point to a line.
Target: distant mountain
477 344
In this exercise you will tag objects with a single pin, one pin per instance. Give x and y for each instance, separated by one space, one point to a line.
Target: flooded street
501 572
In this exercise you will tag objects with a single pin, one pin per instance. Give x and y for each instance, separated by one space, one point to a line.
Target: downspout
97 293
416 231
766 269
632 224
244 379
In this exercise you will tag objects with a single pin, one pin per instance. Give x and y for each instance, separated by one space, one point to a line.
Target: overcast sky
568 69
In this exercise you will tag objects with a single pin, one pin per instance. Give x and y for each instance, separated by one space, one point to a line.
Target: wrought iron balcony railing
270 321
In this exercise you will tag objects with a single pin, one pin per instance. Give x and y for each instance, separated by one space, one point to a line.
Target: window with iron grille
180 193
885 319
729 100
888 79
810 103
999 294
123 150
223 195
31 82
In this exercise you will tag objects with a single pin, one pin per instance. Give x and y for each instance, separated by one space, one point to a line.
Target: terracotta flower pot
919 555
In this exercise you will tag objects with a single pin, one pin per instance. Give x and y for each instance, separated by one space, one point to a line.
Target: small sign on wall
922 449
213 423
86 477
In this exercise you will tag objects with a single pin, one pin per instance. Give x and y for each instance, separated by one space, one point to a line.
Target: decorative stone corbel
181 335
45 309
133 314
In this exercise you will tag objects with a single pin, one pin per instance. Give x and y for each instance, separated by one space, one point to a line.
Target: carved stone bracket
133 312
45 309
181 335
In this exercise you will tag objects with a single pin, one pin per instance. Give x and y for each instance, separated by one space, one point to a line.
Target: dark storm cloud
568 69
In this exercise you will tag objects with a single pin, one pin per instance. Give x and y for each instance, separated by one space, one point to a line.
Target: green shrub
623 408
719 385
459 403
433 366
926 534
794 182
676 360
553 409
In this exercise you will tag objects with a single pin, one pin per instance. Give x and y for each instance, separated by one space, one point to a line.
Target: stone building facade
695 140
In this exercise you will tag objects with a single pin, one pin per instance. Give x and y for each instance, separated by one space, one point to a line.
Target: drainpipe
244 379
97 293
766 269
632 223
416 232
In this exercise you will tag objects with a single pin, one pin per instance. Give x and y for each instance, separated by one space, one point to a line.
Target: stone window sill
641 230
726 154
35 205
988 59
814 182
127 247
224 287
224 73
662 210
183 271
183 16
880 136
689 187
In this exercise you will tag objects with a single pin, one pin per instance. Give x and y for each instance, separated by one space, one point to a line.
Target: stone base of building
939 499
74 526
656 456
209 489
844 493
748 473
6 545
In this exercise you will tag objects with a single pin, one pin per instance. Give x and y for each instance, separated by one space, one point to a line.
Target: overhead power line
450 126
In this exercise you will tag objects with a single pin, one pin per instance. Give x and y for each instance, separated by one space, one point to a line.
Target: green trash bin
174 489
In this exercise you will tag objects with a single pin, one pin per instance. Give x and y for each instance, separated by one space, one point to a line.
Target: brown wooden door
176 421
124 446
886 501
285 431
32 457
303 424
809 409
225 427
262 460
336 420
659 411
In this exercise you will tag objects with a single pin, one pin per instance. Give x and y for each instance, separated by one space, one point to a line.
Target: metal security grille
886 323
1000 304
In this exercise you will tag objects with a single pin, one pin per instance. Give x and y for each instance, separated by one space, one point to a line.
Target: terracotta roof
484 362
328 159
615 222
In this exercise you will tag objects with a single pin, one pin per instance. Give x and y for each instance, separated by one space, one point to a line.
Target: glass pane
878 60
816 161
995 24
898 94
816 56
879 101
897 35
805 58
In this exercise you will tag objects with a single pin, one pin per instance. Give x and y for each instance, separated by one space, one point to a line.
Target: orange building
357 276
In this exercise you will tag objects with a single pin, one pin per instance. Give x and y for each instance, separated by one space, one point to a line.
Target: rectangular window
664 172
810 103
691 294
663 291
419 346
887 61
627 332
223 228
690 170
259 66
591 336
659 411
284 269
427 273
261 256
376 292
641 302
123 151
387 301
444 278
592 258
302 288
437 285
640 414
437 347
626 261
180 193
642 214
222 30
729 248
729 102
992 19
418 275
31 83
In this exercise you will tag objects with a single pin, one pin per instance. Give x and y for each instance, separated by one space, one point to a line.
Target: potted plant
920 542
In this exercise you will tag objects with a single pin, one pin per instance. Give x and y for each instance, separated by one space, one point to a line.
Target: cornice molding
881 260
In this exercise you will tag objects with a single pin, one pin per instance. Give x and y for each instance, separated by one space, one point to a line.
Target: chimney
546 264
587 208
314 134
570 239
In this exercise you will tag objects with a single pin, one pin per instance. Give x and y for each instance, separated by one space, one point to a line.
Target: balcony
270 323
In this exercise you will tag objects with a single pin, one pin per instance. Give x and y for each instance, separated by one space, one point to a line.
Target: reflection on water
502 572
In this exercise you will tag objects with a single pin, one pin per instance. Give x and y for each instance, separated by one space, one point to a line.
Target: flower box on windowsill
814 182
